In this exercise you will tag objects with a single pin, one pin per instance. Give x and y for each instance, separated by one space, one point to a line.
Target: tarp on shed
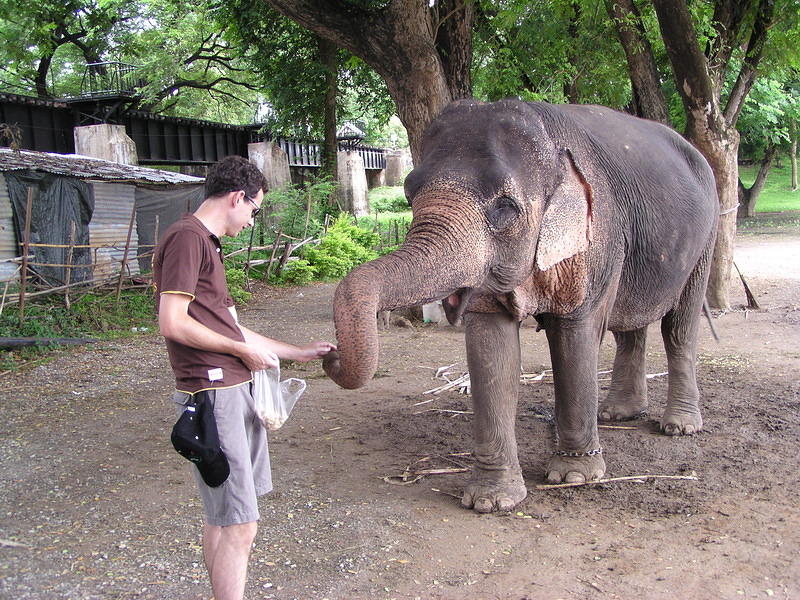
158 207
58 203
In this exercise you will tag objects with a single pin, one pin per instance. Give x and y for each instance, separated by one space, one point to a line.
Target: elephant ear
566 227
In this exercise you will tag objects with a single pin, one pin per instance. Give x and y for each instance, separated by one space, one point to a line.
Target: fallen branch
438 491
464 386
462 383
412 475
16 342
445 410
751 299
409 477
634 478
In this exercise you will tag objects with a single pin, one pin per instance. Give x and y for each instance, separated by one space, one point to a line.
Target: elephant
583 217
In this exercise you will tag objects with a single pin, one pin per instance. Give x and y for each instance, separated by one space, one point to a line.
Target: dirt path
95 504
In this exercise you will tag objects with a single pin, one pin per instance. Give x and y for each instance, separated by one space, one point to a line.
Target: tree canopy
432 47
308 65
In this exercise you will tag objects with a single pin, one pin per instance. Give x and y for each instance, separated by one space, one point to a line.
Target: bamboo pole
155 242
5 292
308 213
247 261
26 240
95 283
69 263
124 264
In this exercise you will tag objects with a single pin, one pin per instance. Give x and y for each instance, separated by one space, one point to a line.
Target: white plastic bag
274 398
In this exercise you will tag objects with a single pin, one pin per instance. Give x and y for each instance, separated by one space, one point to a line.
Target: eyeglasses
256 210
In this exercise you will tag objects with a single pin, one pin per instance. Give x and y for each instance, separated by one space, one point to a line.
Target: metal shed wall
8 239
113 205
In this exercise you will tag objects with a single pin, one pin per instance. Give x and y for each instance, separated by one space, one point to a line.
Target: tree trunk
41 76
329 57
648 98
571 87
707 130
721 151
747 200
708 127
424 54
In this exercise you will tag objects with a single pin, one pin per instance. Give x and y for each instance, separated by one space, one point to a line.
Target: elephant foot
621 410
576 469
490 491
681 422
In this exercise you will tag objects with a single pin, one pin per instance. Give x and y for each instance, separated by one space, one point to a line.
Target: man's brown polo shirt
188 260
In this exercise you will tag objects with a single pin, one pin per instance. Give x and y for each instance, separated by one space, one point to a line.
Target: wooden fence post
26 240
272 256
69 263
124 264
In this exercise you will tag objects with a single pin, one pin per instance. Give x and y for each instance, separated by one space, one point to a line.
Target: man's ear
235 197
566 227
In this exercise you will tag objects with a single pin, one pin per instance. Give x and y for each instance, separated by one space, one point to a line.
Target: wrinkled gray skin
588 219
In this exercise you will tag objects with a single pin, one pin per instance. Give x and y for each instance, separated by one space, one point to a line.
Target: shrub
343 247
296 272
388 199
291 206
236 284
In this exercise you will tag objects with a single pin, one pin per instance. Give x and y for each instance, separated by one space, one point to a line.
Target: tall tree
311 85
648 99
710 122
422 52
329 58
36 36
551 50
765 126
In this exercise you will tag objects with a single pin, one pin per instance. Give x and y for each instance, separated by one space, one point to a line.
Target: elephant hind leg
679 331
627 397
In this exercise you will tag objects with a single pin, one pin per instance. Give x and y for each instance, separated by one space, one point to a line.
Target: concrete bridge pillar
352 178
273 162
398 164
109 142
376 178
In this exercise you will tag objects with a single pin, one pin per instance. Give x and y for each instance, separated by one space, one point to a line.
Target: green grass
92 315
777 195
388 199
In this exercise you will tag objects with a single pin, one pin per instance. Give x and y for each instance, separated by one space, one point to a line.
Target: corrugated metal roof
85 167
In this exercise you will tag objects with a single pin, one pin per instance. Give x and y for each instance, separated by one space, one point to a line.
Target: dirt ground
95 503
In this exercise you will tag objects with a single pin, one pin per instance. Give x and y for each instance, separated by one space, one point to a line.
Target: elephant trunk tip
347 379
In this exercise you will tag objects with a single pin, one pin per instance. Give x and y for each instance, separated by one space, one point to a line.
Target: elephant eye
502 213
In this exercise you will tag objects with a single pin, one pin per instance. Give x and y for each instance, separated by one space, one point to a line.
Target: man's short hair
234 173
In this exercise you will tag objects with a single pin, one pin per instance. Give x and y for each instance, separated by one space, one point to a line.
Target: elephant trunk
418 272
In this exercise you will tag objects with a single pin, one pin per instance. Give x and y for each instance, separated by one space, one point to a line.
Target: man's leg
226 551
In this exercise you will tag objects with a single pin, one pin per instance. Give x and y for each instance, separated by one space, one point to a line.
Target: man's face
245 212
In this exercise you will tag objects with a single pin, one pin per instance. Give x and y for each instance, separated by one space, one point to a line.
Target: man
209 350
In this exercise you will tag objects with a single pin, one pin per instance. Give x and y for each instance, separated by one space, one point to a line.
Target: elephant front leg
573 351
493 358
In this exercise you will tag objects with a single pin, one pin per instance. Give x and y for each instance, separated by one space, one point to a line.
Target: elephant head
502 215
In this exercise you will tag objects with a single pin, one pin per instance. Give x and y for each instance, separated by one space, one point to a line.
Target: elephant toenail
575 477
505 504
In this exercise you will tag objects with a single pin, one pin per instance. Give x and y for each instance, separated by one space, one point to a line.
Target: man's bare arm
175 324
305 353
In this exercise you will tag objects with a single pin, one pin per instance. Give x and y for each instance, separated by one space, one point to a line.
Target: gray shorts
244 441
